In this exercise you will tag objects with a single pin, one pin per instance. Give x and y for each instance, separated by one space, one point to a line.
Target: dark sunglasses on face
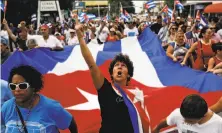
212 28
21 86
174 28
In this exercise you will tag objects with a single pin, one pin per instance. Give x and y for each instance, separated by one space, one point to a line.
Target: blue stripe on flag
35 58
131 109
2 5
102 57
112 46
171 73
150 43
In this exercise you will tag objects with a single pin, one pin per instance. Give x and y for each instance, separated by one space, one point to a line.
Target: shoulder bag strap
21 118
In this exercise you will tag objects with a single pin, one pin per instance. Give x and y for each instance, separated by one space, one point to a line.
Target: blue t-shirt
6 93
46 117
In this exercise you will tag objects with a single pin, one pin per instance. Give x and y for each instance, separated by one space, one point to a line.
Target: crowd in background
185 40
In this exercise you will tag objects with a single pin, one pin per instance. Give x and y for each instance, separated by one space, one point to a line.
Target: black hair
203 31
216 46
124 59
159 17
30 74
193 107
196 27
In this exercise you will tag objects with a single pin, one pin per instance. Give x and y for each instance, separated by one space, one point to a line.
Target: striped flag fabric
1 5
190 38
150 4
127 14
179 4
158 82
167 10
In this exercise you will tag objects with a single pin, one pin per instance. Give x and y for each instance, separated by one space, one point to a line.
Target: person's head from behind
180 37
24 82
4 45
159 19
31 43
217 48
121 69
195 29
193 108
164 22
205 33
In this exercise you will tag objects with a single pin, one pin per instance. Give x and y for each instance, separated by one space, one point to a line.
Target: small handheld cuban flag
150 4
127 15
178 4
3 6
203 22
170 12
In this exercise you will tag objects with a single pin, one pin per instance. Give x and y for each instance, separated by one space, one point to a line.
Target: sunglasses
212 28
21 86
174 28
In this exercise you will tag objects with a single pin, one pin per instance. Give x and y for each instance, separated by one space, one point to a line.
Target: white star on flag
90 105
139 96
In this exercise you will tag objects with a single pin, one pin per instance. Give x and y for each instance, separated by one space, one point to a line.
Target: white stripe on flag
75 61
141 61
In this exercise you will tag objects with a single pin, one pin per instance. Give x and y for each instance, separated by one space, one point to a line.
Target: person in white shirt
102 32
73 40
47 40
131 30
192 117
3 32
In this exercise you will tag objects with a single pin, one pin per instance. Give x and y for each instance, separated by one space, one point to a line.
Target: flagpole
5 7
163 8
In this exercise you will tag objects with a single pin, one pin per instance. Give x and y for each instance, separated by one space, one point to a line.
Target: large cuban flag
159 83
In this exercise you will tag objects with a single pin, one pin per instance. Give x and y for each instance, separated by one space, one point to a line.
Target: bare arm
11 35
96 74
163 124
169 52
218 66
217 108
211 63
189 52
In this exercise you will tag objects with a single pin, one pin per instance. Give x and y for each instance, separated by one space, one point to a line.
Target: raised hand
79 30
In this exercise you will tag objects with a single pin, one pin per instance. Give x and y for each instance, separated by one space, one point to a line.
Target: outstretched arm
96 74
11 35
169 53
189 52
217 108
163 124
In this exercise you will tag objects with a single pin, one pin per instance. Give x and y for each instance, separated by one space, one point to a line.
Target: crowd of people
184 40
201 51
